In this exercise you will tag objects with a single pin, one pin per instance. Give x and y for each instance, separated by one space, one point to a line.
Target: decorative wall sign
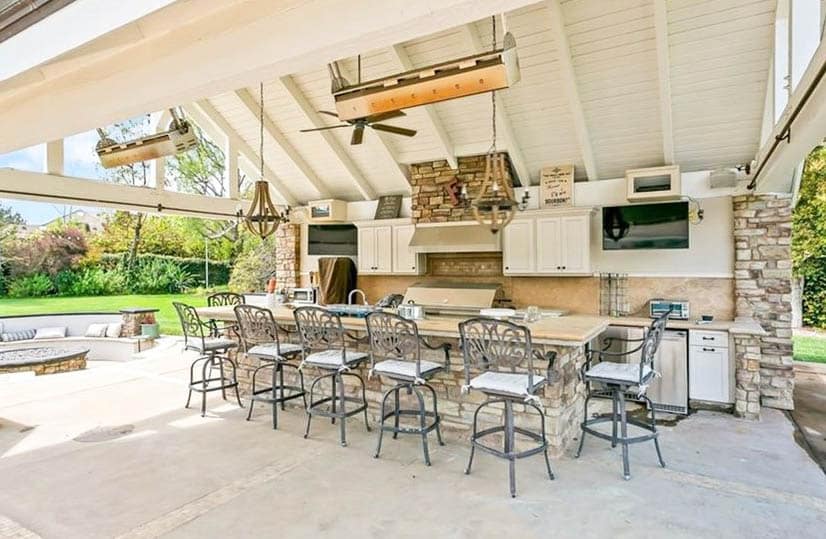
556 186
389 207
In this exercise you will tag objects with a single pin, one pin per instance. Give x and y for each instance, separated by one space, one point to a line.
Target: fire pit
45 360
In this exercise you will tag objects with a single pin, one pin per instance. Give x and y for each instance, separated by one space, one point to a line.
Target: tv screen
645 226
335 240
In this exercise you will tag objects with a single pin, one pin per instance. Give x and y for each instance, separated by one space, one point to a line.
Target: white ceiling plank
364 187
664 73
502 120
203 113
445 144
568 75
286 146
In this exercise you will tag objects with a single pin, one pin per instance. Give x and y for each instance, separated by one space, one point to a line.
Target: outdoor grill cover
336 278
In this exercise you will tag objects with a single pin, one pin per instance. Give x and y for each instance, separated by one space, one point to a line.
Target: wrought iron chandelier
262 218
495 205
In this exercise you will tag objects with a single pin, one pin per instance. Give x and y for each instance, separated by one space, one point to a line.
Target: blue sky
81 162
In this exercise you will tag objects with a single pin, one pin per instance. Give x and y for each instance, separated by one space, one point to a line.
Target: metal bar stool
616 379
214 353
222 299
395 352
259 339
324 347
499 348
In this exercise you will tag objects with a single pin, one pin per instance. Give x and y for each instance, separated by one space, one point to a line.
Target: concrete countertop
739 326
572 330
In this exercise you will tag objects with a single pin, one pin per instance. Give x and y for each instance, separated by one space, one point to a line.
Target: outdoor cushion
332 358
271 350
50 333
621 372
211 344
113 329
96 330
405 369
23 335
507 383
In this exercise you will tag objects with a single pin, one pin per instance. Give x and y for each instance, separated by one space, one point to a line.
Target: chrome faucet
360 291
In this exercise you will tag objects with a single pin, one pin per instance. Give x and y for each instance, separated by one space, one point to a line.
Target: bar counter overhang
562 398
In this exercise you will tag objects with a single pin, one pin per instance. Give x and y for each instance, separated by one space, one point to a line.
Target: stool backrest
191 324
651 343
393 337
256 325
221 299
319 329
497 345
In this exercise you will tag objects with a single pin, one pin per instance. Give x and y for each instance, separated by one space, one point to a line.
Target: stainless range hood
456 237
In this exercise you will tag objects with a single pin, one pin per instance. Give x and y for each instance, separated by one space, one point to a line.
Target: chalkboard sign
556 186
389 207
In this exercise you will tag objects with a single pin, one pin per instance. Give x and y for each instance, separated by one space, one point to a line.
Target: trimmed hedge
219 270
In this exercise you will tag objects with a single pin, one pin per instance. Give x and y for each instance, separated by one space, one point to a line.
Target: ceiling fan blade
393 129
386 116
323 128
328 113
358 135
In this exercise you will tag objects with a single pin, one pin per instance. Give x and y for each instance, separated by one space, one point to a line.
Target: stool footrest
265 394
200 385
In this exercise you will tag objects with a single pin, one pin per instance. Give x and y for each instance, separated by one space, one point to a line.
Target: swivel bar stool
214 353
504 352
324 347
614 380
259 339
395 352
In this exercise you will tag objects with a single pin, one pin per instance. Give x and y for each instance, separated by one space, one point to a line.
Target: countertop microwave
308 295
678 307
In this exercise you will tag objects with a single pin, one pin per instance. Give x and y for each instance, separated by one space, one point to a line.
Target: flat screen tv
645 226
332 240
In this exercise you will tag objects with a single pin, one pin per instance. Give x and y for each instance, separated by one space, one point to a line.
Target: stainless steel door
669 391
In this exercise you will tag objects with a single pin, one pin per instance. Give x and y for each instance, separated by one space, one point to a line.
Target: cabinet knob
507 267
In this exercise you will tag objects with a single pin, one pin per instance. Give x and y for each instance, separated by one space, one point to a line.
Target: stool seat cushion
273 350
506 383
608 371
211 344
332 358
406 369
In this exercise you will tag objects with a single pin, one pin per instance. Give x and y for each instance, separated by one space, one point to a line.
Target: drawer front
709 339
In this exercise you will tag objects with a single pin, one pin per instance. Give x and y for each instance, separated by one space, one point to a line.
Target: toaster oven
678 307
305 296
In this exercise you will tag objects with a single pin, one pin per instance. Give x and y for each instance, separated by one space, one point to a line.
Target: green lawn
166 317
809 348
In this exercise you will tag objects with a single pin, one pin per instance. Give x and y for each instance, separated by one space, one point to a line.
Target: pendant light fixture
262 218
495 206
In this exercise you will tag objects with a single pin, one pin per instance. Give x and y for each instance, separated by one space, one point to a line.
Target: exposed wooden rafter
250 104
445 144
566 69
204 114
502 119
664 79
365 189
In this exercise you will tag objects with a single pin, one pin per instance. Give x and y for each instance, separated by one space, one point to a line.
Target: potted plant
149 326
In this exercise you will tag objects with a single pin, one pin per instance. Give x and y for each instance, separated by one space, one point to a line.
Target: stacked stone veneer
562 400
287 255
763 291
430 202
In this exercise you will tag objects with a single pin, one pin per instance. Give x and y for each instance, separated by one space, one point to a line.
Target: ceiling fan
372 122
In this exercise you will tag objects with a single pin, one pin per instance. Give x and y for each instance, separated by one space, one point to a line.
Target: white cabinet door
708 374
405 260
549 245
367 250
575 247
518 247
383 258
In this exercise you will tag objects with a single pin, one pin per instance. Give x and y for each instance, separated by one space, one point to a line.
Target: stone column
287 255
763 287
747 376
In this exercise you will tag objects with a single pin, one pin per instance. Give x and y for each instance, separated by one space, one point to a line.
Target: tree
199 170
10 222
809 237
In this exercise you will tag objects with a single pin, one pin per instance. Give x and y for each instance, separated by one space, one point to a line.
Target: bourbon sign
556 186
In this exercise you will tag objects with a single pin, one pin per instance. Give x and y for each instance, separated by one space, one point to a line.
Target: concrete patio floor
178 475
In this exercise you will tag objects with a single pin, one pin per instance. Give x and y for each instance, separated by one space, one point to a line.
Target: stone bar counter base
562 399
